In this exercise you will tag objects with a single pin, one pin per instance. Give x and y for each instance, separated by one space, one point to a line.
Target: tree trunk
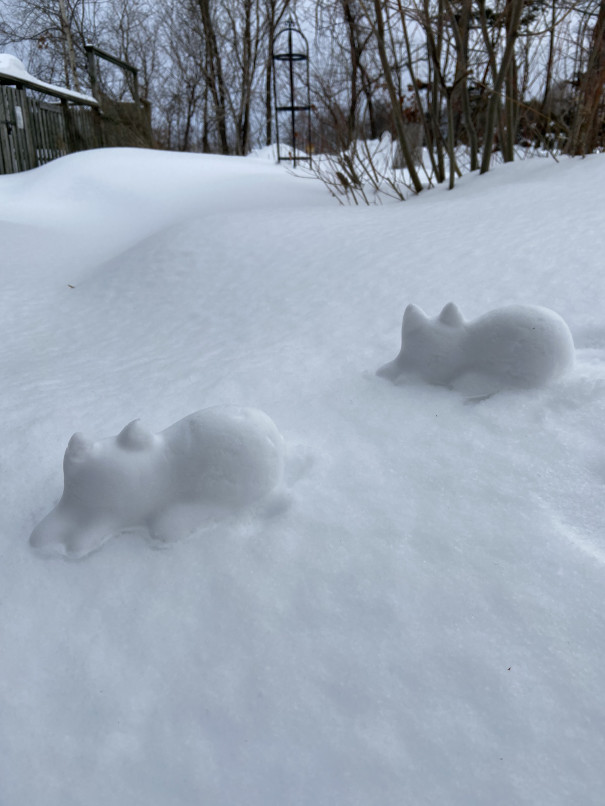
515 11
215 74
268 84
397 114
69 47
428 135
460 27
546 106
585 132
354 69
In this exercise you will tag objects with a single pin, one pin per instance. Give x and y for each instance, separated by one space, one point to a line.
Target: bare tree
587 129
477 77
398 120
52 36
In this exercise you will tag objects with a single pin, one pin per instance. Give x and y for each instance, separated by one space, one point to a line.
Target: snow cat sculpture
221 458
514 347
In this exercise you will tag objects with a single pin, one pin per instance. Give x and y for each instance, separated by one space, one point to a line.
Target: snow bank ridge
223 457
517 346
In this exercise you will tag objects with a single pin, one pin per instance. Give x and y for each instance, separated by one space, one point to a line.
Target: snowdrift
423 623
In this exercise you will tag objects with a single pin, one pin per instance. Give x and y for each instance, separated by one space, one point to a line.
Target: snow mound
514 347
264 153
224 457
12 65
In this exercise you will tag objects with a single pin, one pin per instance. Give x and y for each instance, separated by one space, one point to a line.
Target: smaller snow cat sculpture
515 347
223 458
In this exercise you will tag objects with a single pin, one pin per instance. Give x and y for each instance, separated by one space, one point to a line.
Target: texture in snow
424 623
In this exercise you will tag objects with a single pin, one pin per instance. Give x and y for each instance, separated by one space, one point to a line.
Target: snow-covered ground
422 621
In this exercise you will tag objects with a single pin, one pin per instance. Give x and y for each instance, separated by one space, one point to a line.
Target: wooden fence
34 131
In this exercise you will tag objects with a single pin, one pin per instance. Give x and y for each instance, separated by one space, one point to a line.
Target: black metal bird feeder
291 93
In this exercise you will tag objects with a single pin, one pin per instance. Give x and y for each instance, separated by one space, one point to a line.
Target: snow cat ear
78 448
413 318
135 437
451 315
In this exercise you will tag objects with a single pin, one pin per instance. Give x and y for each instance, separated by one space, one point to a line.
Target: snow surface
13 68
424 624
514 347
208 464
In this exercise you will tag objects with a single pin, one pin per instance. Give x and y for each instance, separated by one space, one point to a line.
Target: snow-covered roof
12 71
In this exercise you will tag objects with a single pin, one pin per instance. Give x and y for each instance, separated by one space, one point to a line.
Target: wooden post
71 139
92 71
7 158
29 150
